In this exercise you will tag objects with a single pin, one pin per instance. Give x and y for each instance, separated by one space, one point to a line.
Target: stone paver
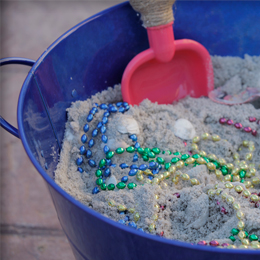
25 199
15 247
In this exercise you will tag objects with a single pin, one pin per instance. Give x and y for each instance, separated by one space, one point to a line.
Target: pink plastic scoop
169 70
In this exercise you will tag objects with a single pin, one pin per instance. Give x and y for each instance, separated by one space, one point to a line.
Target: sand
194 214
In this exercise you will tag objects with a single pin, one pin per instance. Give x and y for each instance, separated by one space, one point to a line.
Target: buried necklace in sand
155 170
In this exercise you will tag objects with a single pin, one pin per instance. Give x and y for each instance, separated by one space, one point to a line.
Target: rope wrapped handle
154 12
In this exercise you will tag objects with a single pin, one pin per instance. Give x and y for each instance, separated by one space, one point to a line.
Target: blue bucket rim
72 200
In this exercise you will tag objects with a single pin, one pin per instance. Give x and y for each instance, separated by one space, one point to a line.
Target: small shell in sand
112 179
184 129
113 144
127 124
198 210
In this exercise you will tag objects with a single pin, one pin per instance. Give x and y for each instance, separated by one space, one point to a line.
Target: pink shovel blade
188 72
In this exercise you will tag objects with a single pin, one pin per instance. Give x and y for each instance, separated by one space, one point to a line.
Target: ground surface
29 225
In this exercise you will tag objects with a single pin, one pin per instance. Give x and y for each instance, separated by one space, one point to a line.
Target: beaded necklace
155 170
246 129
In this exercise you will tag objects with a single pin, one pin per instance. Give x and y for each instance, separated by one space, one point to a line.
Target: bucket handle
13 60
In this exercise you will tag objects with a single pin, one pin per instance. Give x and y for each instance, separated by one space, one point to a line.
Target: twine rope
154 12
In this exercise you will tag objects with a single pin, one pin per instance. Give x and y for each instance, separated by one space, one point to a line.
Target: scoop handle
154 12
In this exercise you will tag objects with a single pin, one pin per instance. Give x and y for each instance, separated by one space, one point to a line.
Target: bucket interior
85 60
93 55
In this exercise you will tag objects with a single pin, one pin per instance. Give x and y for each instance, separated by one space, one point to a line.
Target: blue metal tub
89 58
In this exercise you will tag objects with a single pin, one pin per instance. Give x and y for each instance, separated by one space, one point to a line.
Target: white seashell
195 172
198 211
127 124
113 144
200 172
184 129
75 126
69 135
112 179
